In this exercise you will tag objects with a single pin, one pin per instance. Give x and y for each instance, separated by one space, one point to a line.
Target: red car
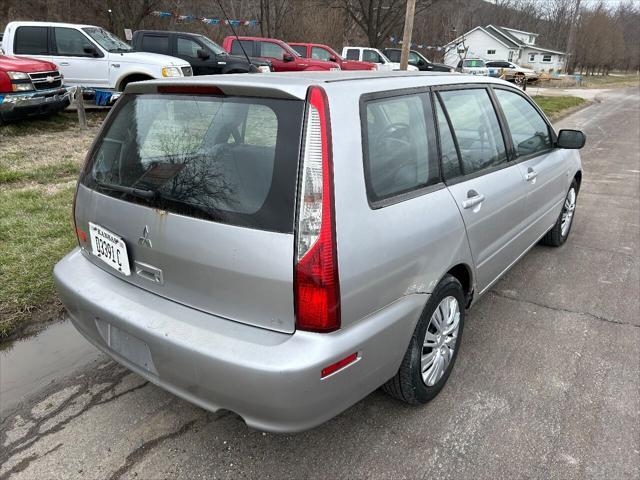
318 51
29 87
283 58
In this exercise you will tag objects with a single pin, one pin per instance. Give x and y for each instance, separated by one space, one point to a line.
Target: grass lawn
553 106
39 164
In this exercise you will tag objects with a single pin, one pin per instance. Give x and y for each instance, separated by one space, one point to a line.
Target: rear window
155 44
474 63
227 159
31 41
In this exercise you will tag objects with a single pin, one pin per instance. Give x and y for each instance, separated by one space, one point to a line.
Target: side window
399 146
371 56
155 44
353 54
187 47
476 128
414 59
31 41
320 53
449 154
236 49
271 50
529 131
71 42
393 55
301 49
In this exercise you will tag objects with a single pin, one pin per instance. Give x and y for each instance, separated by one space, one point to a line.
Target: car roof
49 24
296 84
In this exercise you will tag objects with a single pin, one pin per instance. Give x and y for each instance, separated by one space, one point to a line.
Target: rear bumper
19 105
271 379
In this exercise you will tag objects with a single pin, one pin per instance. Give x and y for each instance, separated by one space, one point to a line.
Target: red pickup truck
29 87
324 52
283 58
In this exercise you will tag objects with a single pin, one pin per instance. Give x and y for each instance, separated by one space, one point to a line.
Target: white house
502 43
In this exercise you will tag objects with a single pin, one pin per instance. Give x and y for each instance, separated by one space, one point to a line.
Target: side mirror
333 59
287 58
202 54
573 139
90 50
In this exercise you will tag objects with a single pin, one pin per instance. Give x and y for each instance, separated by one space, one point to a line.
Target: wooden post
82 116
408 31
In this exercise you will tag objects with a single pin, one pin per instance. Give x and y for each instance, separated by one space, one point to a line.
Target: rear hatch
199 190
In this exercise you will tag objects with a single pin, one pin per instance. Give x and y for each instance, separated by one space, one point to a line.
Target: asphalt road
546 384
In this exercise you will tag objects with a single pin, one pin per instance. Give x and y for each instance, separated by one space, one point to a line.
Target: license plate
109 248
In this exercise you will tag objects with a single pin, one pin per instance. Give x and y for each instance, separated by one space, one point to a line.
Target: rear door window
448 153
475 125
399 146
31 41
236 47
226 159
155 43
529 131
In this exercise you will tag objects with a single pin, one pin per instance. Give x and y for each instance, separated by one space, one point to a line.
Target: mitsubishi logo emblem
144 240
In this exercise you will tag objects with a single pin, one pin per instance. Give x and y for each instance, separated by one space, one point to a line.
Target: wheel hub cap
567 212
440 340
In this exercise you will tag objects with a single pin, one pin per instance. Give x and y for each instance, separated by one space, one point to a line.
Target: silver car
282 245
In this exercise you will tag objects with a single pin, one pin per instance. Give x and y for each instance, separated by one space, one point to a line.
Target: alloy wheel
440 340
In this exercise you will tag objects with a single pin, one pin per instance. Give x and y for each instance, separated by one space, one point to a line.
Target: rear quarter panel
387 253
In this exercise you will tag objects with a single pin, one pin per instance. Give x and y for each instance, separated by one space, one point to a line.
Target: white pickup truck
373 55
89 56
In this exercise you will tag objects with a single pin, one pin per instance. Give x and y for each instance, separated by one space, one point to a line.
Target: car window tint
301 49
371 56
31 41
448 152
399 146
476 128
236 48
155 44
320 53
271 50
529 131
71 42
187 47
393 55
353 54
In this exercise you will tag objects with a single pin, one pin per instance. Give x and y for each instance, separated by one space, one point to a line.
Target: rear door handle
473 198
531 174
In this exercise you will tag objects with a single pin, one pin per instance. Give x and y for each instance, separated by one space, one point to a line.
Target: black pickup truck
205 56
417 60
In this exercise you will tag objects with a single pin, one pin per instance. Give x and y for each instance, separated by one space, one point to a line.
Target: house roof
540 49
520 31
503 33
492 35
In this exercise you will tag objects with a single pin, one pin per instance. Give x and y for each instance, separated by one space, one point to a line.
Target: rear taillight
317 288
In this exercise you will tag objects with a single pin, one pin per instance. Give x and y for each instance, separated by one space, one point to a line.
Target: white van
88 55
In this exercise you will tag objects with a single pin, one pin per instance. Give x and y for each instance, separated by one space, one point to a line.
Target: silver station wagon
282 245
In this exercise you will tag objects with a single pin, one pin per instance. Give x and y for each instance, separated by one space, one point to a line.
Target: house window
532 57
491 52
511 55
546 58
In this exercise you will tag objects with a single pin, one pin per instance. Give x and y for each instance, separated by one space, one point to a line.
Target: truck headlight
18 75
264 69
22 87
171 72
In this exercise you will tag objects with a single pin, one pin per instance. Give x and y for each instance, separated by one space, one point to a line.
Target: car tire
418 380
560 230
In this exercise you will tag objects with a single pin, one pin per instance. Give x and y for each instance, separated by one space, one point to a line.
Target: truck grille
187 71
46 80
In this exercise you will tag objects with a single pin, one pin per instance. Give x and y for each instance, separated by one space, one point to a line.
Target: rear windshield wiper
136 192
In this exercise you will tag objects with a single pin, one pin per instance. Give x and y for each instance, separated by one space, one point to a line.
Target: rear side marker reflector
191 89
334 367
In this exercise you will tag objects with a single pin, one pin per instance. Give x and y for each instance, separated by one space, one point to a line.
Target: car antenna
252 67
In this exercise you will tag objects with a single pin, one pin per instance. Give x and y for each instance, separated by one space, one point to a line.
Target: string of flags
396 41
208 21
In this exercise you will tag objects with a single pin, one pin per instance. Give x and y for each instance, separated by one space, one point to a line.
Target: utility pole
408 30
571 42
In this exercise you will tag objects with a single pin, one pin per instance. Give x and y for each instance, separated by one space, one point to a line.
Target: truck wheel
434 346
132 78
